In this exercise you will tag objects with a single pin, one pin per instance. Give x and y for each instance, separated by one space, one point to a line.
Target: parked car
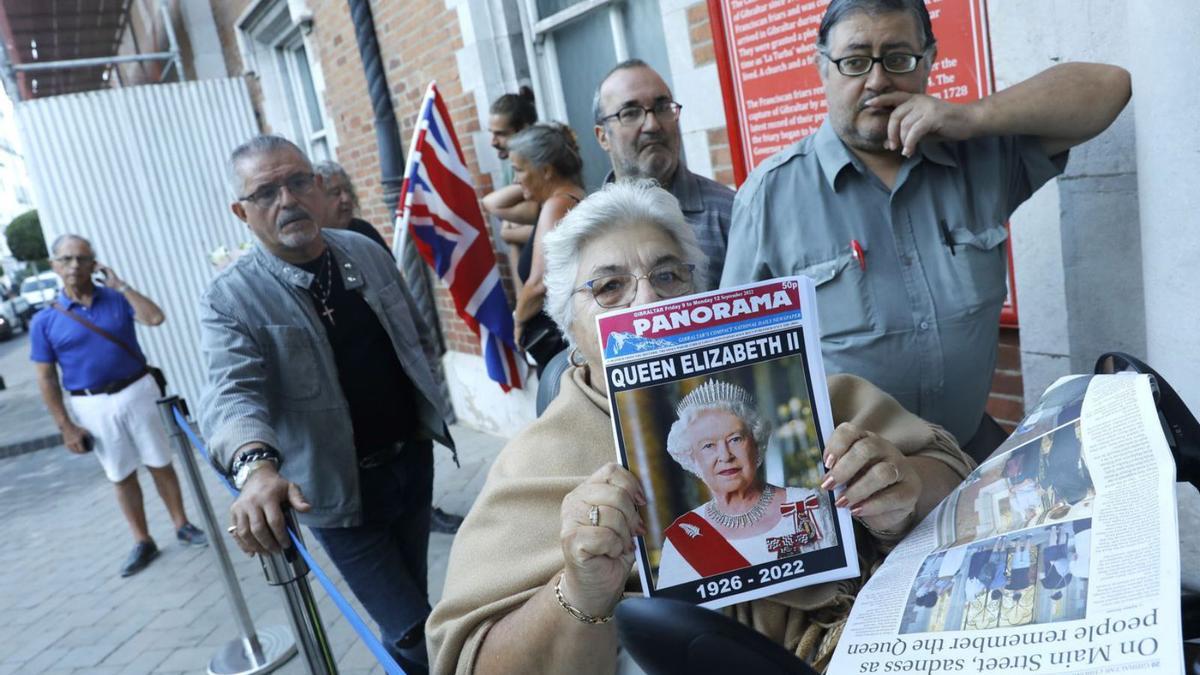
18 312
41 290
6 328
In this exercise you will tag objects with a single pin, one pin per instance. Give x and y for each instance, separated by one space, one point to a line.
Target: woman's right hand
599 558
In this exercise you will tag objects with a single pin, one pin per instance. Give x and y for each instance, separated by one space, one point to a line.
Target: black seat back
669 637
549 379
1179 424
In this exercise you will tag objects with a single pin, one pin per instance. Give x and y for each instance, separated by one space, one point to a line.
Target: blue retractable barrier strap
368 637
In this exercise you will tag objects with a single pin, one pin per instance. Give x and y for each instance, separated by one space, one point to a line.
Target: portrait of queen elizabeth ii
719 437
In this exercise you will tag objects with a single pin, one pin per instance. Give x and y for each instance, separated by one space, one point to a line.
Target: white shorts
126 428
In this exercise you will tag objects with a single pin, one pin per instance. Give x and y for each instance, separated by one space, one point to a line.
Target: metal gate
140 172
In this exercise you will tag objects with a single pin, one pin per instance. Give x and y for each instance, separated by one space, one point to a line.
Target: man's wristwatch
247 468
248 461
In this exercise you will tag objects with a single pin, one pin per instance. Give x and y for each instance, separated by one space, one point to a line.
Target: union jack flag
440 211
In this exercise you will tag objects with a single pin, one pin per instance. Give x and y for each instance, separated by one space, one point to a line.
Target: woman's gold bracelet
574 611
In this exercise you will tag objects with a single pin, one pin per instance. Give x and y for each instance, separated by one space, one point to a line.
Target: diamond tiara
713 392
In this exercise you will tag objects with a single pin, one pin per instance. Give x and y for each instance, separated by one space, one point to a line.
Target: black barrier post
253 652
289 572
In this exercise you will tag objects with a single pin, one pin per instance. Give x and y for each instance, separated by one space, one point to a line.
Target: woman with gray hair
341 203
547 550
546 164
719 437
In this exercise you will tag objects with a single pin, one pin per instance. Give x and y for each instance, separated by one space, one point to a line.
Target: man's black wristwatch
250 460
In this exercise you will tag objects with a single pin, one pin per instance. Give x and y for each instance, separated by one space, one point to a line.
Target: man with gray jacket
320 394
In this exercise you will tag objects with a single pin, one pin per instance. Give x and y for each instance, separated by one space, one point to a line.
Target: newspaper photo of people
1031 577
718 452
1061 403
1043 481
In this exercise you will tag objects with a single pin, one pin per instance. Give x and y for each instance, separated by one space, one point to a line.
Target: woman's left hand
881 485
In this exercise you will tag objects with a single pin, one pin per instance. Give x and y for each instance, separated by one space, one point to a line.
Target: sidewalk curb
32 445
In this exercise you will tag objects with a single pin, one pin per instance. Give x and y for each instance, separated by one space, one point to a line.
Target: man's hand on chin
917 116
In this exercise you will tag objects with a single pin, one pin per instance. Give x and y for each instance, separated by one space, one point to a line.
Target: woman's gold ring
594 516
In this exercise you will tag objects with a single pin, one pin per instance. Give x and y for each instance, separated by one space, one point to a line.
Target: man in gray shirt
320 394
896 206
637 124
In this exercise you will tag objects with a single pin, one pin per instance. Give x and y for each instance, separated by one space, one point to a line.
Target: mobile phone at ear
100 277
89 443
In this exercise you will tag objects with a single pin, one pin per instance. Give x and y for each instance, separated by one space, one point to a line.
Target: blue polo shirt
87 360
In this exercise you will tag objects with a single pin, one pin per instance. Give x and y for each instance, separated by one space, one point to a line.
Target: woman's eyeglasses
619 290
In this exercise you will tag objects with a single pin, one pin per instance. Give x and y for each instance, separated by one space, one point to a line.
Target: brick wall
1006 402
719 154
700 34
418 40
701 43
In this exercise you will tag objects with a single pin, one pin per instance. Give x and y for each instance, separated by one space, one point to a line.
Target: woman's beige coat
509 546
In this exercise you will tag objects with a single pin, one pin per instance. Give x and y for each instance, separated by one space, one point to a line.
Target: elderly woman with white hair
547 551
719 437
341 203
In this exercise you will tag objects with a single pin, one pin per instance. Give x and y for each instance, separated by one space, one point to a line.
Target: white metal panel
141 173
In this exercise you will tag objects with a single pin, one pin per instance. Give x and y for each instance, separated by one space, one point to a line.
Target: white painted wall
480 403
693 87
491 63
208 60
1076 243
1168 148
696 89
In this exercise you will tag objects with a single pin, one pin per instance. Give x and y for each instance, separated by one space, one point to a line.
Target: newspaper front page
1059 554
721 409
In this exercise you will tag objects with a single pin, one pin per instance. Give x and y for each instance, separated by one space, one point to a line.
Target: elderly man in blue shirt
896 207
88 332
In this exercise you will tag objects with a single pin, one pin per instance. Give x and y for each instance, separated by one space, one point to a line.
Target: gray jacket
272 376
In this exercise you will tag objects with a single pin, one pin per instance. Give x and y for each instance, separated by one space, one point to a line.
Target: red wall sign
765 53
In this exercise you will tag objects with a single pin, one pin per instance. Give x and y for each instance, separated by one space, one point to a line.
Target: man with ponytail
509 115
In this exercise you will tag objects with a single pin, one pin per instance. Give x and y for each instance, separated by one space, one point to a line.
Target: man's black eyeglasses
634 115
897 63
265 196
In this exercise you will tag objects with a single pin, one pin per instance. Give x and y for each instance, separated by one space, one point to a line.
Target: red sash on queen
703 547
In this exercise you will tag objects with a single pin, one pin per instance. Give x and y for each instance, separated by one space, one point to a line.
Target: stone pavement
64 609
24 422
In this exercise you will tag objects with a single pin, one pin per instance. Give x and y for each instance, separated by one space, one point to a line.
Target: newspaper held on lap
1058 554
